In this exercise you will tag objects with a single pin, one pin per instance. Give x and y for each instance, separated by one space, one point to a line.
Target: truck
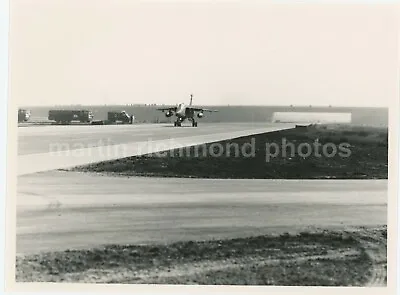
67 116
23 115
122 116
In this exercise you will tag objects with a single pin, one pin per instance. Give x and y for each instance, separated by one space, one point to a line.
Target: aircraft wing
167 109
201 109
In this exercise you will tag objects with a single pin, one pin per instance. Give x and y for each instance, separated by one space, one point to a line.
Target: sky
237 53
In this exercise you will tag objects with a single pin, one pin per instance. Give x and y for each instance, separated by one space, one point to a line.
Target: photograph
202 143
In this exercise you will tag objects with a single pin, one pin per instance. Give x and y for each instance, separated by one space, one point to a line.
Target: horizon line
222 105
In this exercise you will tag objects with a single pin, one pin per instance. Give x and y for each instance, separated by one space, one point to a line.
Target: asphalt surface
47 148
41 139
67 210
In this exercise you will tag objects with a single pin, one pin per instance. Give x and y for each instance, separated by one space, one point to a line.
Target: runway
65 210
54 147
37 140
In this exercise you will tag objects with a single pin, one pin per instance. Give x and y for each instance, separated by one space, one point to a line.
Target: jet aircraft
183 112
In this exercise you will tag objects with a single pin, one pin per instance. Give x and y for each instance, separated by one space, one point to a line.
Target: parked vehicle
123 117
23 115
67 116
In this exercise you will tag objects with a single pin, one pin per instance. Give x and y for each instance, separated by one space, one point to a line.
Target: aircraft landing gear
194 123
177 124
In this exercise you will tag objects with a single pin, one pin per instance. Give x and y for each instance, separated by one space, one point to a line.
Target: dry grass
368 158
355 257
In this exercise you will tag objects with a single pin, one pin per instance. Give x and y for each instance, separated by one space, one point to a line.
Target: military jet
183 112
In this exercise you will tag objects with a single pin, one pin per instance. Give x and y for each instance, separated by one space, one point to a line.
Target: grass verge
336 151
319 258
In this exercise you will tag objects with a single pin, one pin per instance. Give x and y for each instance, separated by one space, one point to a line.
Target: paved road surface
55 147
61 210
37 140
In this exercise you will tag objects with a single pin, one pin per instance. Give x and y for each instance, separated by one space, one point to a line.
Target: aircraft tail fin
191 99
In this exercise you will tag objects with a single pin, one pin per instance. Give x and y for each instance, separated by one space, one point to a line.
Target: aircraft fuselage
182 112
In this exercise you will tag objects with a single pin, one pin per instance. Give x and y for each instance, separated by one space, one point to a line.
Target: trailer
122 116
23 115
67 116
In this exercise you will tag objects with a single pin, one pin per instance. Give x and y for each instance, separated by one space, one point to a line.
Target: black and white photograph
202 143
